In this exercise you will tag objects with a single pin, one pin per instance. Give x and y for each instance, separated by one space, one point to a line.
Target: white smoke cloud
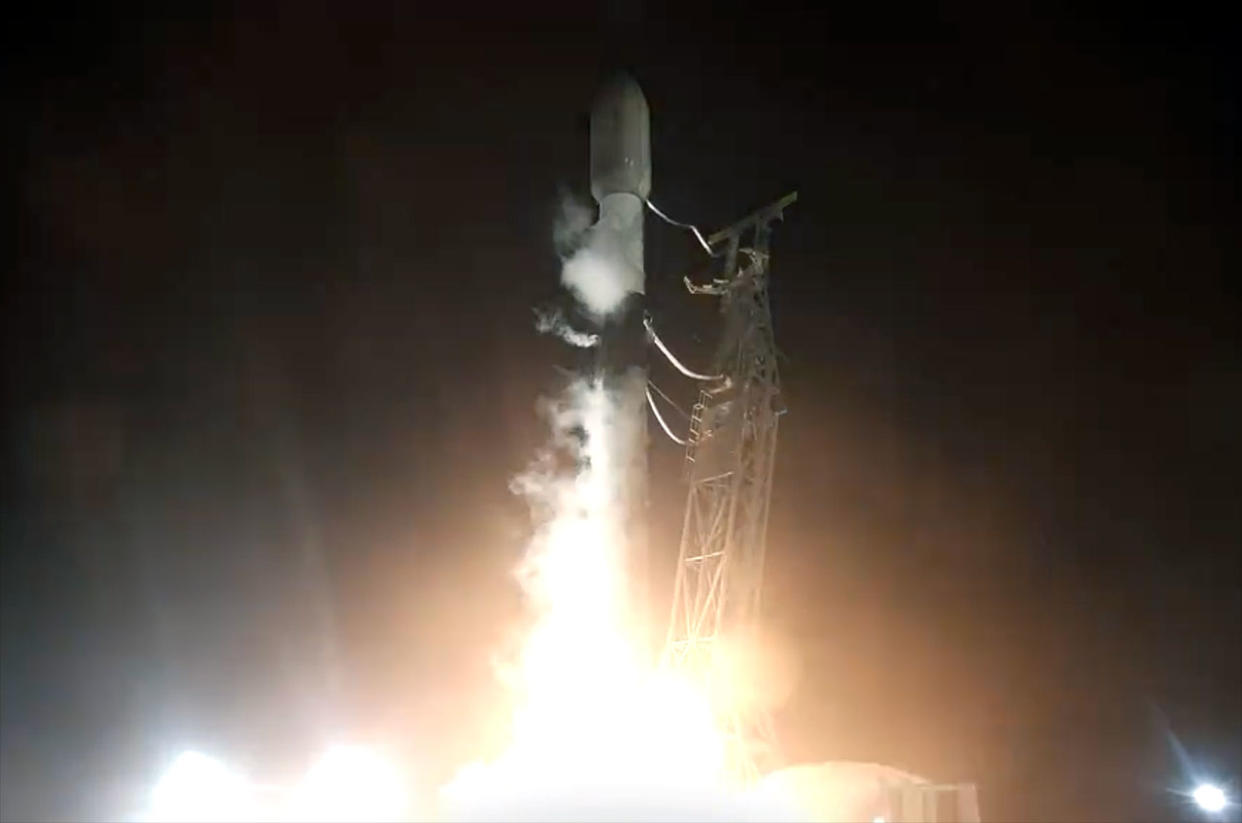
599 279
597 427
597 437
588 704
552 321
594 269
573 220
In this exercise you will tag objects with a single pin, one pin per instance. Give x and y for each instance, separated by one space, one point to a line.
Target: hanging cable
681 441
698 235
668 399
655 338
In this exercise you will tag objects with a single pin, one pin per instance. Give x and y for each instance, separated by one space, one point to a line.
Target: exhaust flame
598 728
599 732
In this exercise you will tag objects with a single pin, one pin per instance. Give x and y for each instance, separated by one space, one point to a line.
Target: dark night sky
270 363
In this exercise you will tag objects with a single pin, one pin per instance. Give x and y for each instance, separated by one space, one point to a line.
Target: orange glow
596 723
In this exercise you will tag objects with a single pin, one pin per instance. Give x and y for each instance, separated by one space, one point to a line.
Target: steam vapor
552 321
587 708
594 268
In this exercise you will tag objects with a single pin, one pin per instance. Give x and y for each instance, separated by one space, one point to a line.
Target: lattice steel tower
729 460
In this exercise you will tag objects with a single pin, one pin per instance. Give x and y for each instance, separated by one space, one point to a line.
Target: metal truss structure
730 455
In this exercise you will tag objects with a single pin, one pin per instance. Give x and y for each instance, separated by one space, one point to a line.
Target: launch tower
730 454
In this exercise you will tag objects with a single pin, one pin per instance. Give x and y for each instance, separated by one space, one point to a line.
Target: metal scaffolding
729 460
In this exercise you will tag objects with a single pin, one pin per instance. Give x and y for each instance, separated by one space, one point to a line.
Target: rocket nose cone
620 139
621 89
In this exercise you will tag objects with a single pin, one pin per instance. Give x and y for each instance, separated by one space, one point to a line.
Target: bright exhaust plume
351 783
597 726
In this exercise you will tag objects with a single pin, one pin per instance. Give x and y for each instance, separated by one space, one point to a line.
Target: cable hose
655 338
668 399
660 418
698 235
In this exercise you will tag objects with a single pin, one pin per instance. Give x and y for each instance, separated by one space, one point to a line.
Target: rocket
620 184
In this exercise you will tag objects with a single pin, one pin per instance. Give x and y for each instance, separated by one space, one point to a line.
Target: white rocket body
620 184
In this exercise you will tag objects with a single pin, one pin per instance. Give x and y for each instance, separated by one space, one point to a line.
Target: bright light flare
351 783
1210 798
199 788
348 783
596 726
